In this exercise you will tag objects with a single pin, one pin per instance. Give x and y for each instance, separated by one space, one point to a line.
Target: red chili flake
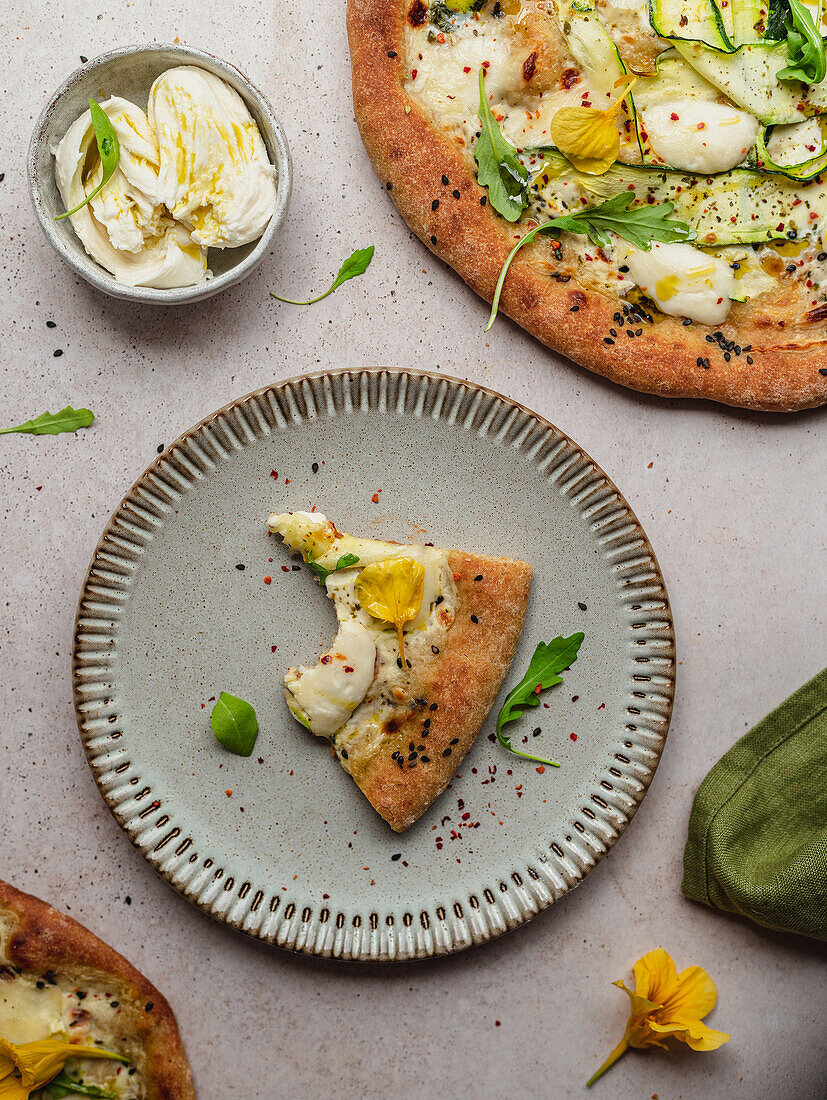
38 488
375 498
274 475
701 125
457 576
285 569
261 760
602 706
497 1023
573 736
541 769
466 68
325 897
228 792
287 481
413 74
538 689
273 648
348 668
326 659
203 705
268 580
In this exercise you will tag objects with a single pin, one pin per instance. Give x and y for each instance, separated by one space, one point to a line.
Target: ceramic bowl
129 72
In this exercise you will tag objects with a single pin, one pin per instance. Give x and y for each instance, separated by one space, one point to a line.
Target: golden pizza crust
786 341
454 691
43 940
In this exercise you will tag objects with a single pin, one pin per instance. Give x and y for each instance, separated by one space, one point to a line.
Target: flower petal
14 1058
693 997
656 976
12 1089
695 1034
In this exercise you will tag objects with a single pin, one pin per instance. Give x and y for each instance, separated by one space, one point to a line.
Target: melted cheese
28 1014
698 136
683 281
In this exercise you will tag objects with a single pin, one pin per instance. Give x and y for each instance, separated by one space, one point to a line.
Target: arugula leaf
234 724
64 1085
344 562
67 420
499 167
356 264
639 225
108 149
805 48
549 660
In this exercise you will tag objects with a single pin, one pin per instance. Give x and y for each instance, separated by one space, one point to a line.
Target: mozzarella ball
698 136
683 281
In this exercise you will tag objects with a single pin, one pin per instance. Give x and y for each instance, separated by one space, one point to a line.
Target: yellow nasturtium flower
392 592
666 1003
588 136
25 1067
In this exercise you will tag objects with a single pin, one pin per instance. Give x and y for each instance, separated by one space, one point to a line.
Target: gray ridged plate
295 856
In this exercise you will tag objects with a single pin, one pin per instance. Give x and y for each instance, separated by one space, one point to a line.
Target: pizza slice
59 982
425 639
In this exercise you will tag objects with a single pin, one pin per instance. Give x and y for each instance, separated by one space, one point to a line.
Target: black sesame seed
57 354
574 309
727 356
435 204
474 619
40 985
160 448
790 268
408 663
439 599
433 706
83 59
613 332
412 755
81 995
455 192
411 747
454 741
51 977
582 606
749 360
699 361
483 200
823 370
389 186
315 467
686 322
412 764
478 577
396 856
425 759
114 1004
420 748
392 53
398 662
51 324
148 1007
433 240
241 567
447 752
434 649
536 732
344 754
607 340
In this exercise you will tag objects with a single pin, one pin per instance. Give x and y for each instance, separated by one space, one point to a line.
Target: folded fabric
758 829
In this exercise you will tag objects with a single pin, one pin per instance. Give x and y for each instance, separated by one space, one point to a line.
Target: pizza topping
699 137
589 136
29 1066
323 697
684 281
392 592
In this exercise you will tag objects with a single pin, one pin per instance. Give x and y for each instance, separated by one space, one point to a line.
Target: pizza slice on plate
425 639
59 982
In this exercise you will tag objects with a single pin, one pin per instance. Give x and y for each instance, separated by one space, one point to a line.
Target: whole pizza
636 184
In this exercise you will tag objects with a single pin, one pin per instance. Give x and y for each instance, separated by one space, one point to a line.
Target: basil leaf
67 420
64 1085
639 225
356 264
234 724
549 660
499 168
805 48
108 149
344 562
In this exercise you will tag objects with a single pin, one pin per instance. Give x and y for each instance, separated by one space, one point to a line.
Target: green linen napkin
758 829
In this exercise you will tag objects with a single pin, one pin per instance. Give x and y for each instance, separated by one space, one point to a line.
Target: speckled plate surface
168 618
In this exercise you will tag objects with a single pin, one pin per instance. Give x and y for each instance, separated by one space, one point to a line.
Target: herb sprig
498 166
640 225
67 420
344 562
234 724
549 660
805 48
108 149
356 264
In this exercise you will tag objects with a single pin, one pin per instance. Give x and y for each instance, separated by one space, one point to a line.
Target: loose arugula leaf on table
640 225
344 562
356 264
234 724
549 660
499 167
64 1085
805 48
67 420
108 149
